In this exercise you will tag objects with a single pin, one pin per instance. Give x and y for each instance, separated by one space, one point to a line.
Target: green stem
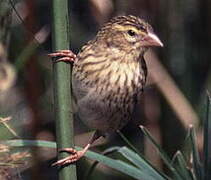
207 142
62 86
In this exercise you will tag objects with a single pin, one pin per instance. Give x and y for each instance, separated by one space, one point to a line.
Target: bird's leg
76 155
64 55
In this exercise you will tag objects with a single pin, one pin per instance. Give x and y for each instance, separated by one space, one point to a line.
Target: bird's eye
142 28
131 32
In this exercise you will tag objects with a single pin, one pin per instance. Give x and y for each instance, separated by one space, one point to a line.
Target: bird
108 76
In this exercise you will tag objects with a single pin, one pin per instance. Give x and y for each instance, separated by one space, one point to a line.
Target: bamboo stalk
62 86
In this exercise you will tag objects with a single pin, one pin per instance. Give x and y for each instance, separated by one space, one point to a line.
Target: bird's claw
65 55
75 156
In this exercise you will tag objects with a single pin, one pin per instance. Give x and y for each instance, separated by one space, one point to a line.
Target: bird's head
129 33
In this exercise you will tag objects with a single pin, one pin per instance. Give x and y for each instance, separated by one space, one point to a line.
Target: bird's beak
152 40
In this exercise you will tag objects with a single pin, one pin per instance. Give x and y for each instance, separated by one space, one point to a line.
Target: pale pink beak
152 40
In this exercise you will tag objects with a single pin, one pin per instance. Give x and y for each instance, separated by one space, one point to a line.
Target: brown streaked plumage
109 73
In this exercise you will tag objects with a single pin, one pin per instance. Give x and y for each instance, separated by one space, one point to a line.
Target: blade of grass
29 143
196 160
11 130
121 166
137 151
141 163
94 165
162 154
128 142
179 161
207 140
31 48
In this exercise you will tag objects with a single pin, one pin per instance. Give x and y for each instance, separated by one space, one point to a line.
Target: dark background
179 76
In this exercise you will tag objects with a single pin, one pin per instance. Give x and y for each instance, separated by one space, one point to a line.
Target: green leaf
108 151
185 172
162 154
197 167
141 163
29 143
207 140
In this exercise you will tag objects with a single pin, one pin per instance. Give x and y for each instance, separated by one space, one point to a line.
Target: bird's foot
75 156
64 55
